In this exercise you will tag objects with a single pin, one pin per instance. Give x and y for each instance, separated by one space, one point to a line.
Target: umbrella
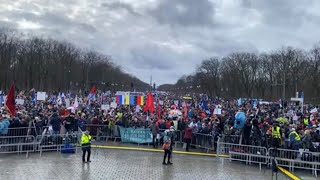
283 120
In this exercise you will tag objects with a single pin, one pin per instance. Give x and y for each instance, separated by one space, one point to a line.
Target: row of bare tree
50 65
270 76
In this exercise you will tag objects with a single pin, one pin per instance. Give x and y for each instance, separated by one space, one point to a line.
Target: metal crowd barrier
18 144
297 159
20 131
244 153
235 139
55 142
204 141
178 136
99 132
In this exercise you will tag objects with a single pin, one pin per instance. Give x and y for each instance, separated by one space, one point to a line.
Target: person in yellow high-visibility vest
306 121
295 139
276 135
86 146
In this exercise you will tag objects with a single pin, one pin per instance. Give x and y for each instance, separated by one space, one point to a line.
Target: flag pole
151 83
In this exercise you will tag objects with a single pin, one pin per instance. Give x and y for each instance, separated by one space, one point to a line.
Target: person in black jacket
55 123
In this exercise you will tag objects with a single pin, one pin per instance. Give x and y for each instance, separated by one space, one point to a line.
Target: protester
155 133
167 148
188 136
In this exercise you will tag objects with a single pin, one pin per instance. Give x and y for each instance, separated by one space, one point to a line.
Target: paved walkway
123 164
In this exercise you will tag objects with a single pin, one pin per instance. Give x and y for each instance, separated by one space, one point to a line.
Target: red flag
93 89
149 104
159 111
10 103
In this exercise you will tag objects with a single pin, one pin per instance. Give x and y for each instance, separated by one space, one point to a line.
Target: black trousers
155 141
84 151
167 153
188 141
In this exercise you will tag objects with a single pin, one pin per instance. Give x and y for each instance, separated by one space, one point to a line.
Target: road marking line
289 174
157 150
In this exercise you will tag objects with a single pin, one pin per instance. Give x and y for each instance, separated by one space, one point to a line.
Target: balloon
240 119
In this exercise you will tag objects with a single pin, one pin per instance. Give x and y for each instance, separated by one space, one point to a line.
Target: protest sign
41 96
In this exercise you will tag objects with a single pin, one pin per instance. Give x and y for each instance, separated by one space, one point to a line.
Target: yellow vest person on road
86 146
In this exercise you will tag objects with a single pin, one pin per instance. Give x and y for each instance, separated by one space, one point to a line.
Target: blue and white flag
204 105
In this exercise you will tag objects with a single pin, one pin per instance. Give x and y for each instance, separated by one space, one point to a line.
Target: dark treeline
271 76
50 65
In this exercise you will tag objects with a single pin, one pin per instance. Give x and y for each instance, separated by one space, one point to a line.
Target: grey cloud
50 20
151 58
184 12
119 5
279 12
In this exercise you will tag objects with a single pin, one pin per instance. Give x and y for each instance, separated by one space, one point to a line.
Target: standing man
155 132
188 136
276 135
86 146
295 139
167 147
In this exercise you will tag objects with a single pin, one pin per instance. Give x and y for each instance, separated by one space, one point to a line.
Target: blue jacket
293 142
4 125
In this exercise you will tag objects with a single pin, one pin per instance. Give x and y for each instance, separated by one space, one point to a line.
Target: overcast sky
168 38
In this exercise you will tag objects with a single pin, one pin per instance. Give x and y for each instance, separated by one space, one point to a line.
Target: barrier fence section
234 139
20 131
205 141
244 153
18 144
58 142
297 159
292 159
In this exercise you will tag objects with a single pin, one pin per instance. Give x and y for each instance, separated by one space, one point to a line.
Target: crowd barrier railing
178 136
204 141
235 139
18 144
244 153
101 132
297 159
20 131
292 159
56 142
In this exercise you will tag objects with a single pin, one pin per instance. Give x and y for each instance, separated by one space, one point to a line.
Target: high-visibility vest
120 114
306 121
85 139
297 138
276 133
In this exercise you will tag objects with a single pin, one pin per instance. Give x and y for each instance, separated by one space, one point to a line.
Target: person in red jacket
188 136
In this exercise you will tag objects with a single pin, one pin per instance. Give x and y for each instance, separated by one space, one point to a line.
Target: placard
217 111
113 105
67 102
41 96
19 101
105 107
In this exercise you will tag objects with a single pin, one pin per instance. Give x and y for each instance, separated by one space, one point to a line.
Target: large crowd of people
264 124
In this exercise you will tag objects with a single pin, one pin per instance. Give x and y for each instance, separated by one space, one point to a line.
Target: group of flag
129 100
120 100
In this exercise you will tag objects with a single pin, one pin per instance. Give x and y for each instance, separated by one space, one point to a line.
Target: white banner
19 101
41 96
105 107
